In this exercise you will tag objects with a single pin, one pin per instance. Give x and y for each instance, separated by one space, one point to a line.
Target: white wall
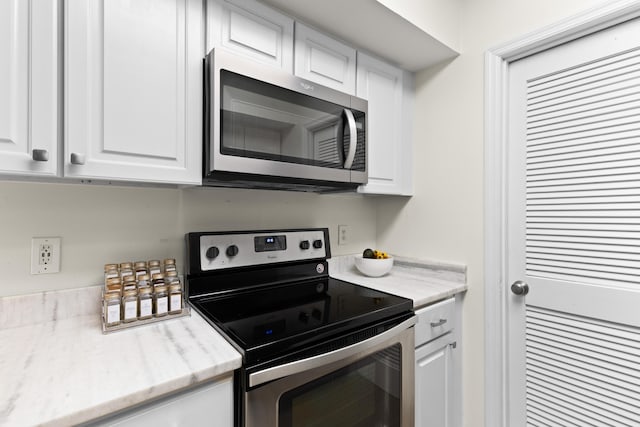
444 220
102 224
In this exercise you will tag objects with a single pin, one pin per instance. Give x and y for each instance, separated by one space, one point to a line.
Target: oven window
364 394
262 121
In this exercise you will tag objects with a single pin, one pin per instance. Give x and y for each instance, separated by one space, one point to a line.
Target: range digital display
270 243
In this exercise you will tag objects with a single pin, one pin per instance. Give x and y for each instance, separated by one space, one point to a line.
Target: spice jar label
145 307
131 310
113 314
162 305
176 302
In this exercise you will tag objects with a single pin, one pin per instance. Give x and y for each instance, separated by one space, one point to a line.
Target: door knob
520 288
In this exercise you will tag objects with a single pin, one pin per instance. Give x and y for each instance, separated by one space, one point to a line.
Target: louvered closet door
574 232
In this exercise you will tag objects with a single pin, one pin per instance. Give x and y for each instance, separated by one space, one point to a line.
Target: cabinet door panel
28 86
324 60
434 377
251 29
134 89
389 148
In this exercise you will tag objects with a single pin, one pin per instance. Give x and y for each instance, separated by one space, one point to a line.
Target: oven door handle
320 360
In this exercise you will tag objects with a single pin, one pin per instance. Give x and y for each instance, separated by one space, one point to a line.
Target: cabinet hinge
453 344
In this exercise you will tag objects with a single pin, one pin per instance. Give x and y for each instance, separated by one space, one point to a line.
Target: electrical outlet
45 255
344 234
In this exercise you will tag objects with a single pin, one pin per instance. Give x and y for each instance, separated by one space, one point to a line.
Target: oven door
368 384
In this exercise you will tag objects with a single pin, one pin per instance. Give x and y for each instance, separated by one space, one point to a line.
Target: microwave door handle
353 139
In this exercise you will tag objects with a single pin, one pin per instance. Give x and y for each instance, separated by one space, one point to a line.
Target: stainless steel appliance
316 351
265 128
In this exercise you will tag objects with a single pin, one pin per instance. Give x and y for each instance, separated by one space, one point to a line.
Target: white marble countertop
424 282
57 368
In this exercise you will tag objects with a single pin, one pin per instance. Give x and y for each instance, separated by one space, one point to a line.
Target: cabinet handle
438 323
353 139
40 155
77 158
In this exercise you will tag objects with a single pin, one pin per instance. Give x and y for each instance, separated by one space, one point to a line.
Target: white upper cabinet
389 124
251 29
28 87
133 90
324 60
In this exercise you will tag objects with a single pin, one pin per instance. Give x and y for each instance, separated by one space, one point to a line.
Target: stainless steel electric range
316 351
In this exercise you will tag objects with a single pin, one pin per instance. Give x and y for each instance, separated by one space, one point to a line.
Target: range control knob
232 251
304 245
213 252
317 244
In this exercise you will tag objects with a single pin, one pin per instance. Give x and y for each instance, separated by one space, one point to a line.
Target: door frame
497 62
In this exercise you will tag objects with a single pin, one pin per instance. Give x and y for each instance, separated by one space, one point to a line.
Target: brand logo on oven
306 86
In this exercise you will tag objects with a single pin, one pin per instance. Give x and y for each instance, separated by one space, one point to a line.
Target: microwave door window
259 120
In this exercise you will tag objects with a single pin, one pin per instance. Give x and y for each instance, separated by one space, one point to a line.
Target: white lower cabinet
208 405
437 370
133 90
434 383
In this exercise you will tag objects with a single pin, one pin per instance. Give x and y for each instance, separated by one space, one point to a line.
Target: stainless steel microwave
265 128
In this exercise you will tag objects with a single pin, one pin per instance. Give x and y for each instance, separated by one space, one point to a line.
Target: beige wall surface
101 224
444 220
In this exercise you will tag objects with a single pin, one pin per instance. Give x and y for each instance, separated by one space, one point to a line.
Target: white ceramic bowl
373 267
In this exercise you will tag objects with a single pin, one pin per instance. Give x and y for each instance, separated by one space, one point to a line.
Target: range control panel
242 249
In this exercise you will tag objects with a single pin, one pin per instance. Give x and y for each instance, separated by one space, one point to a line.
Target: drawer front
435 320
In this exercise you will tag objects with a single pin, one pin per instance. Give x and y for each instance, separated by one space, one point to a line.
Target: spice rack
140 293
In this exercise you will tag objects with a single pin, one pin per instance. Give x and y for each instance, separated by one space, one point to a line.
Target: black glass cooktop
282 318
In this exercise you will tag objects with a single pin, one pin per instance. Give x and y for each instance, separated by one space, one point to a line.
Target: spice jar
113 284
145 303
126 270
170 277
140 268
169 265
154 267
158 280
130 306
175 298
129 283
110 271
112 308
144 281
161 301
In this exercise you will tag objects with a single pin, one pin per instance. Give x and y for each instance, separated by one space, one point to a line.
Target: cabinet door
321 59
29 87
390 166
434 383
251 29
133 86
208 405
